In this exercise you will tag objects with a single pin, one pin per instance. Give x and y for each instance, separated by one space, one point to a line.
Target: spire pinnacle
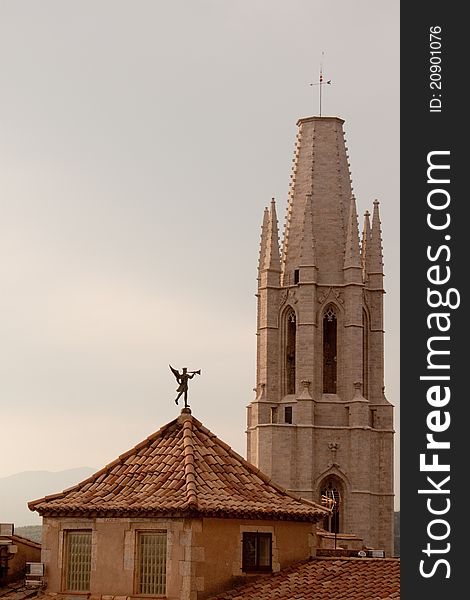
366 245
264 231
352 256
269 259
376 256
272 259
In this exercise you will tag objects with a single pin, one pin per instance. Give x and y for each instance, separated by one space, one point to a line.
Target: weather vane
183 378
321 83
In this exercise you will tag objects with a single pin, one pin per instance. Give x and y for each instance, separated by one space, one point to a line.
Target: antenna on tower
321 83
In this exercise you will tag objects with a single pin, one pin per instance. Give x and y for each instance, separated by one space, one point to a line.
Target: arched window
365 354
331 489
291 334
329 351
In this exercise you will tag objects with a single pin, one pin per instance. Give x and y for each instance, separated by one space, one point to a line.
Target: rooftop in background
17 591
181 470
324 579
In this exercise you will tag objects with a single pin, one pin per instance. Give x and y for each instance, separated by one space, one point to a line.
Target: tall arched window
291 334
365 355
332 490
329 351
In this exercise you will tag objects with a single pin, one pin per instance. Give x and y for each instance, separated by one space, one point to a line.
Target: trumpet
196 372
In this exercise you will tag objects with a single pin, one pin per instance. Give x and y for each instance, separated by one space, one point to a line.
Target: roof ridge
189 469
106 468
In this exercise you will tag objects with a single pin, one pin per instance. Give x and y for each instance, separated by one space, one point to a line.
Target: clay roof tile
323 579
181 469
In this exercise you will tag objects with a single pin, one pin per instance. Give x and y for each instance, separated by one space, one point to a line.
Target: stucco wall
113 552
204 556
222 543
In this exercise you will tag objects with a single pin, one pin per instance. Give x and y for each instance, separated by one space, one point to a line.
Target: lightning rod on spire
321 83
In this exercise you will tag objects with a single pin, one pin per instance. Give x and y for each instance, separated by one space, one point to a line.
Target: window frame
288 415
290 350
257 568
332 486
137 563
330 354
66 562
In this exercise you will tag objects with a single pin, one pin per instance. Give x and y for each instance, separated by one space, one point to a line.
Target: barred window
257 552
77 560
151 562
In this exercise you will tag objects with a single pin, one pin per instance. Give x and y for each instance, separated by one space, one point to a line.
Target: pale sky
139 143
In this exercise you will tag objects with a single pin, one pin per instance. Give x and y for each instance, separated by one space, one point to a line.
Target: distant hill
30 532
19 489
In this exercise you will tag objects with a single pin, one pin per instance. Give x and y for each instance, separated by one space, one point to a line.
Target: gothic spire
321 172
352 254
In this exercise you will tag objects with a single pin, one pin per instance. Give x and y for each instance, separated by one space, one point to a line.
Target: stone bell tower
320 421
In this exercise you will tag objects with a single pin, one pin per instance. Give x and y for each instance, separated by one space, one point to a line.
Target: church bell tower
320 422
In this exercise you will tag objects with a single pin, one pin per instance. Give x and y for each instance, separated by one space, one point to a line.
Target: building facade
179 516
320 423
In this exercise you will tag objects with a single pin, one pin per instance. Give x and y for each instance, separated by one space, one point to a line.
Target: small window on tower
288 414
273 414
296 276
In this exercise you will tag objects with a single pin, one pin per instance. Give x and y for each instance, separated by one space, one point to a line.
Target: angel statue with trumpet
182 379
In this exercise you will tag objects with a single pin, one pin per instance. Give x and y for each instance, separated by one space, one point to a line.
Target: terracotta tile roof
181 470
326 579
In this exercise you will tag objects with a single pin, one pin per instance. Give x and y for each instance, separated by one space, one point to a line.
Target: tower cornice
317 118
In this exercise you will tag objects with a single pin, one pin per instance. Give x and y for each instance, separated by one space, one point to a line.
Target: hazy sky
139 143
